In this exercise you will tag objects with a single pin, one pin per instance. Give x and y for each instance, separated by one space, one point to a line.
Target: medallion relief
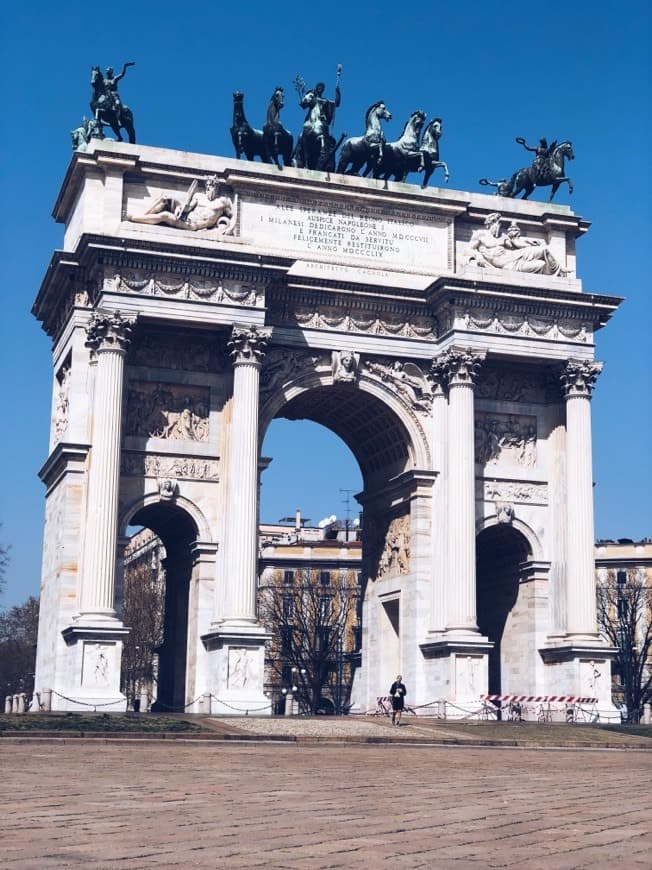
177 412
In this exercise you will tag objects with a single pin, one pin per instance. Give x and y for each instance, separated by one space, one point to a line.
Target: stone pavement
278 805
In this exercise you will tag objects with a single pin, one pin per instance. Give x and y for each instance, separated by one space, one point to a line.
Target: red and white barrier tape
537 699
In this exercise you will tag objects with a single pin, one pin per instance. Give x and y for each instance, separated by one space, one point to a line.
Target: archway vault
384 435
165 517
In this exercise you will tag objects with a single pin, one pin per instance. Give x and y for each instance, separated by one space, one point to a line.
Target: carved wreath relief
508 438
188 287
173 411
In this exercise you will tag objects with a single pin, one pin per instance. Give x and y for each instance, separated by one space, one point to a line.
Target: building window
288 576
325 608
286 673
325 578
286 640
621 578
288 606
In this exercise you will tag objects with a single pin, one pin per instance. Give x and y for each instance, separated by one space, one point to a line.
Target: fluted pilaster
439 381
247 347
463 367
108 337
578 378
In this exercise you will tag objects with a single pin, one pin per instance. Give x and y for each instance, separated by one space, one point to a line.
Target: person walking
397 693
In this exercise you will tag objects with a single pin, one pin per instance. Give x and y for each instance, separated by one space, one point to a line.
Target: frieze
193 287
178 352
164 467
516 324
513 492
508 438
178 412
335 320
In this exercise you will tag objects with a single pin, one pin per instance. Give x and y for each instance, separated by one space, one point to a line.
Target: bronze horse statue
402 156
246 140
551 173
278 142
368 148
429 149
105 112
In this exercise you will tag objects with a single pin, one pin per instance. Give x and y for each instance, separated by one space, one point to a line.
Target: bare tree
313 629
18 633
625 616
142 612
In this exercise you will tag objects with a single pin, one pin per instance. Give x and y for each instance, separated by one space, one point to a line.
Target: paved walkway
241 805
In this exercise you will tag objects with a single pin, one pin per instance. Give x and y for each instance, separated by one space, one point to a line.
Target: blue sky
491 71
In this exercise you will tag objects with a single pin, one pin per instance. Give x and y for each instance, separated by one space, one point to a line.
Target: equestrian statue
547 170
107 107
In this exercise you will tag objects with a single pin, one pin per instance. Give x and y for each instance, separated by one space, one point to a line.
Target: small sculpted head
320 87
109 72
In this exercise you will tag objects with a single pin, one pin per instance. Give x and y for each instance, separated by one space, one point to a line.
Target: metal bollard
647 714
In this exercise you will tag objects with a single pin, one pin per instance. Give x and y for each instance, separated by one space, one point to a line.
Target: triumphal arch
444 336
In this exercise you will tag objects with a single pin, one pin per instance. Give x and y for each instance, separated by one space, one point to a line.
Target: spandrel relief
395 555
281 366
407 379
177 412
509 438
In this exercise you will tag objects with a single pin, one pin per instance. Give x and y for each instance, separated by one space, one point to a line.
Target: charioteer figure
111 94
316 147
542 153
107 107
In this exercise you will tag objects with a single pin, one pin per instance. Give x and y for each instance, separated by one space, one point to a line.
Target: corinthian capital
578 377
109 330
463 365
438 375
248 344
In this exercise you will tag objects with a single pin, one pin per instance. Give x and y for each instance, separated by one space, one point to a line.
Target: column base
236 669
91 681
580 666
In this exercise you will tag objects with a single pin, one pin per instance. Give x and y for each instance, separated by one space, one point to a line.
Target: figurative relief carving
168 489
173 411
191 287
510 386
491 248
169 467
177 352
243 668
505 438
197 211
345 366
62 403
280 366
395 556
408 380
504 512
513 491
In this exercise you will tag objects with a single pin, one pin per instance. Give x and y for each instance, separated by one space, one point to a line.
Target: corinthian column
247 347
578 378
463 367
108 337
439 381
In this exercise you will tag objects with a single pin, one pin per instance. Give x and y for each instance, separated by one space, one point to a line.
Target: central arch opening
328 444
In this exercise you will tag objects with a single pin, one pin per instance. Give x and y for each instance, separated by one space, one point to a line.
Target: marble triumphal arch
443 335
